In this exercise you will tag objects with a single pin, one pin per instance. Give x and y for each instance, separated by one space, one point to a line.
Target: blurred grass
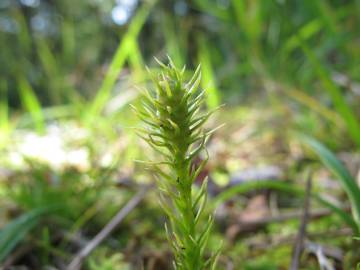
31 104
340 104
16 230
238 43
208 81
126 47
4 113
337 168
277 54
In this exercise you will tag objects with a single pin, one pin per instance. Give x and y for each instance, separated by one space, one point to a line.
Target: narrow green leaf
338 169
118 61
31 104
208 76
307 31
14 232
349 116
283 187
4 108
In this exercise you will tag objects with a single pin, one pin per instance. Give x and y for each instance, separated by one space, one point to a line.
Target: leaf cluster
174 128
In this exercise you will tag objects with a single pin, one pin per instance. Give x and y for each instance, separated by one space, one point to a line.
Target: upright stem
174 128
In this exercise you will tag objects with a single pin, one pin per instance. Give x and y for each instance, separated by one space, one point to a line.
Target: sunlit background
68 72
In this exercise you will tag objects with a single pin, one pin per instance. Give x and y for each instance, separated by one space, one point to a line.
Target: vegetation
174 123
71 192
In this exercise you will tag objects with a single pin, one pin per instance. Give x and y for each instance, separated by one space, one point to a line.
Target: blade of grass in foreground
31 104
338 169
118 62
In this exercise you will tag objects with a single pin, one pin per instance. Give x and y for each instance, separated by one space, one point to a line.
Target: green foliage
31 104
260 266
5 125
282 187
337 168
124 50
102 261
340 104
266 50
15 231
175 130
208 76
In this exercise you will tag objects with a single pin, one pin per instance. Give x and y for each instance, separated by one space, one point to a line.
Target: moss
174 128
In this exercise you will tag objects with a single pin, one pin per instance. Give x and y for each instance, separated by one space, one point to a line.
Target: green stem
174 124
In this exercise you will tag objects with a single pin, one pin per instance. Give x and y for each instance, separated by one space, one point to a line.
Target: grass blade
136 61
51 69
208 77
15 231
118 61
31 104
4 113
338 169
174 45
4 107
307 31
337 98
283 187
